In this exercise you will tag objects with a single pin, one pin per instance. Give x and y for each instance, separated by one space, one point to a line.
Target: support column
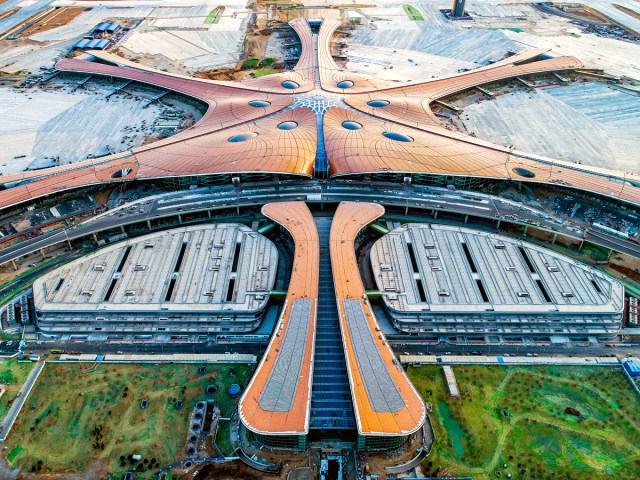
435 214
498 224
44 257
15 265
148 224
553 239
209 213
95 237
526 229
179 218
466 219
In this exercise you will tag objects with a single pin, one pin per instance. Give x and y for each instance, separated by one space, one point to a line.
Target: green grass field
213 18
261 72
413 13
223 438
516 415
74 417
12 377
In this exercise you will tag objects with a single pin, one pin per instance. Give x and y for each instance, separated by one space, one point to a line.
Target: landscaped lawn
518 416
413 13
75 415
12 376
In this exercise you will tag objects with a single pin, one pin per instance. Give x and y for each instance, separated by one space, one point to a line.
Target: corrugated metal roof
633 368
81 43
98 43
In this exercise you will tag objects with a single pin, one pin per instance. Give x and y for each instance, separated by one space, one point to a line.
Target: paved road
440 200
412 347
563 350
13 412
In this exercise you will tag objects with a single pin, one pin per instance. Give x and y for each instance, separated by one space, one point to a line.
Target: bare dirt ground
255 46
225 471
60 17
628 11
97 469
8 13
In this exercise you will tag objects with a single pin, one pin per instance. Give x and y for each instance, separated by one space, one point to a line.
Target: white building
445 281
180 284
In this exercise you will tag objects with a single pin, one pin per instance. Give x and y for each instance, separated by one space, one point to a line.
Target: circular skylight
291 85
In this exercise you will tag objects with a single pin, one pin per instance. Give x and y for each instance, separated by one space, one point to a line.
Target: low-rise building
448 281
181 284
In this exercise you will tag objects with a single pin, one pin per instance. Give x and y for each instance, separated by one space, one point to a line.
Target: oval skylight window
345 84
241 137
378 103
349 125
398 137
291 85
288 125
259 103
523 172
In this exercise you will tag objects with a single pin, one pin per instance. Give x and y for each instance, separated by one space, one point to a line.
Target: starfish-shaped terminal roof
266 125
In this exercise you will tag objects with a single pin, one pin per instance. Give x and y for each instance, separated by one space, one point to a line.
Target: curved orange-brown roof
303 73
267 149
278 398
385 401
442 152
203 149
331 75
367 150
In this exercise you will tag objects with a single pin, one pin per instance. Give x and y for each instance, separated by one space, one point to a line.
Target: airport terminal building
447 281
181 284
